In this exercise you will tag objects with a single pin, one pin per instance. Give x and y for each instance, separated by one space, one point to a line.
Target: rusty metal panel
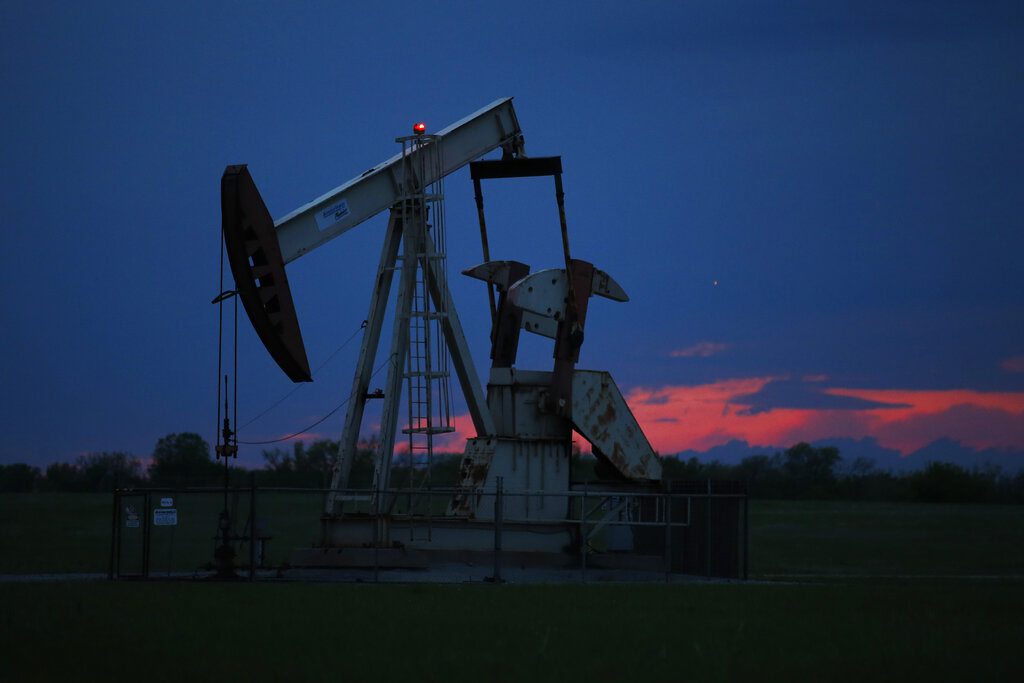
258 269
472 476
534 466
514 397
546 292
600 414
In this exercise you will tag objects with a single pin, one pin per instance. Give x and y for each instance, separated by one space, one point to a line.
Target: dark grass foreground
934 630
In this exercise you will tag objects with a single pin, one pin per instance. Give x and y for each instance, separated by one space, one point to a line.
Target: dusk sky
815 208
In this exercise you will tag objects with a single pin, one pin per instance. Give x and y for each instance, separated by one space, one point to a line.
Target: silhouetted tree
943 482
180 458
64 476
18 478
809 471
102 471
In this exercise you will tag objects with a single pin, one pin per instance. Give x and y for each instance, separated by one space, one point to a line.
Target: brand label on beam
333 214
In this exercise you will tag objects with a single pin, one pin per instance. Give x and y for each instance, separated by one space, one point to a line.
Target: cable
299 386
234 354
333 411
220 334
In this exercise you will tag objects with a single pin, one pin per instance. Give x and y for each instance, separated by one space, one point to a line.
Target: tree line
800 472
807 472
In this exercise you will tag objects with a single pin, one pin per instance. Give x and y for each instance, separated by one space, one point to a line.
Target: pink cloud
1013 364
979 419
450 442
704 417
702 349
682 417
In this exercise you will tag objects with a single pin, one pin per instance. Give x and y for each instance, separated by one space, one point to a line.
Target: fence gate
174 532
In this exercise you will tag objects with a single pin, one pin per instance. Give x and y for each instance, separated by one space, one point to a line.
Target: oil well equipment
514 488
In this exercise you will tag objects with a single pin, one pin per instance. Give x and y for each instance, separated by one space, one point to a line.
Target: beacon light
419 128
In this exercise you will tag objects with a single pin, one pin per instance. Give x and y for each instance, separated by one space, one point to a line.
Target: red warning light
419 128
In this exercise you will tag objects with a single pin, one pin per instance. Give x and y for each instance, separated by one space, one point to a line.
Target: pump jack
525 420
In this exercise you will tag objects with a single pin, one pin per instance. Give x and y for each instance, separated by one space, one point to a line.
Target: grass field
865 631
840 613
902 539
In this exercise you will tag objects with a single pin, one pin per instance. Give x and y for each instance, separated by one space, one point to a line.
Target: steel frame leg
396 363
364 366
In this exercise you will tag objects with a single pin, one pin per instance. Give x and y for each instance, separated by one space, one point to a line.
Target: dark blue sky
849 174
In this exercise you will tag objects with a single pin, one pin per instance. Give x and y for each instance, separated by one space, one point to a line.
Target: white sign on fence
166 502
131 519
165 517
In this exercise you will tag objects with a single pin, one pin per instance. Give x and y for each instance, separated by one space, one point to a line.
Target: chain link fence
695 528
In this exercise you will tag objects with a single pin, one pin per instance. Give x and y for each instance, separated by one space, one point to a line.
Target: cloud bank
781 412
704 349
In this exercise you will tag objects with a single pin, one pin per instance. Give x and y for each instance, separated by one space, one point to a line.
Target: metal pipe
478 193
438 491
560 199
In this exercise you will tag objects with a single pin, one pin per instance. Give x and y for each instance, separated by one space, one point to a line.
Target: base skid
422 543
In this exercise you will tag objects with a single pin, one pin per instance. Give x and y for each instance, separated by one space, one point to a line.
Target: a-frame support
469 381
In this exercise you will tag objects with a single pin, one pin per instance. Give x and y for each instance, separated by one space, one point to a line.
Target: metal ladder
427 373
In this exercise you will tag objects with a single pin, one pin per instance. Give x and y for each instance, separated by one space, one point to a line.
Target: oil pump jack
525 420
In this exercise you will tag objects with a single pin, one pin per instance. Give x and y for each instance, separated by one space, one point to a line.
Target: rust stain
619 458
472 476
608 416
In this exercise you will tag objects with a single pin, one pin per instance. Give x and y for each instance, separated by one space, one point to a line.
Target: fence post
377 535
114 528
583 532
668 534
746 534
146 531
707 535
498 514
252 526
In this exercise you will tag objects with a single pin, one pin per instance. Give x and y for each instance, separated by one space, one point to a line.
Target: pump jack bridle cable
333 411
220 334
316 370
219 300
224 437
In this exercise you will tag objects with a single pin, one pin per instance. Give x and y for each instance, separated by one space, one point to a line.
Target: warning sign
165 517
131 517
166 502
